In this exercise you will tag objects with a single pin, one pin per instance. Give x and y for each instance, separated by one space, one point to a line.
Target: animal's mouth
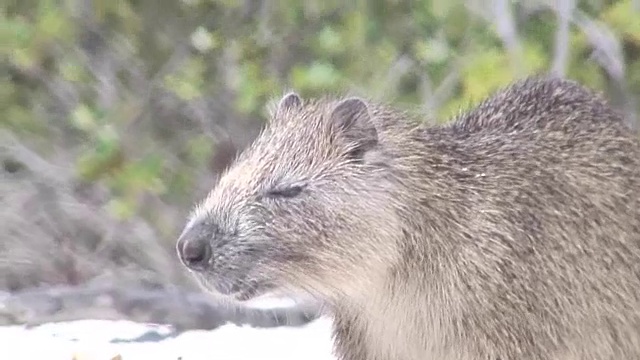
252 290
238 290
246 295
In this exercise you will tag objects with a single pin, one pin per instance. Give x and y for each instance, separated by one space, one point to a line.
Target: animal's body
512 232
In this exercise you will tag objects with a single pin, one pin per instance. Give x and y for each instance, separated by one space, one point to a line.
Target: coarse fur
512 232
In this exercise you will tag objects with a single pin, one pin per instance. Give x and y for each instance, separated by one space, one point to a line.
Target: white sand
92 339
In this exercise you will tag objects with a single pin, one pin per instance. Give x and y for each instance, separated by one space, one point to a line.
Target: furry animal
512 232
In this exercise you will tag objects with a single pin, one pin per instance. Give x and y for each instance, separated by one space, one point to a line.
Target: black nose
194 250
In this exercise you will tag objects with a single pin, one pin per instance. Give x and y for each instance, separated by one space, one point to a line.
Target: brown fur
511 233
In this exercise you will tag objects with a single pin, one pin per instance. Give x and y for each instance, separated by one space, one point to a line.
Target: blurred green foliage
137 92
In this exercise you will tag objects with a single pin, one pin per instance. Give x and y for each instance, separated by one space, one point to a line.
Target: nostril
196 253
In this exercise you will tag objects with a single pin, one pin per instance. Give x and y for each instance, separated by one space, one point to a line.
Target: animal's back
524 235
550 262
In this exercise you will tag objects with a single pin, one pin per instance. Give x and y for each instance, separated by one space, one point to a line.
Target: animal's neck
400 319
439 181
417 307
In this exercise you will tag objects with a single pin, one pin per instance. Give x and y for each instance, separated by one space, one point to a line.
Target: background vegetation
117 115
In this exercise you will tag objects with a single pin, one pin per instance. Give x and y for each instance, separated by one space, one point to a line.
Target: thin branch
564 9
607 48
505 24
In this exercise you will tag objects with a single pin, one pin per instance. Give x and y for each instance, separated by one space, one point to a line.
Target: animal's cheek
223 260
235 260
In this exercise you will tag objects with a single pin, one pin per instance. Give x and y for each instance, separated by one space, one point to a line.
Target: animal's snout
194 249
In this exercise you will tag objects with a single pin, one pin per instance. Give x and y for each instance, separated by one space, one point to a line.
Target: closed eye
286 192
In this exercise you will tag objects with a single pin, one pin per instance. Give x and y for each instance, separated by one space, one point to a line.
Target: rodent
510 232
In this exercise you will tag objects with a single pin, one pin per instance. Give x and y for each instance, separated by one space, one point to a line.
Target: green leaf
330 41
488 71
317 76
200 148
122 208
624 19
203 40
188 81
432 51
83 118
15 33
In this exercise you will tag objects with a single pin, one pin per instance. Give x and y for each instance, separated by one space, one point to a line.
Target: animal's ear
352 122
289 102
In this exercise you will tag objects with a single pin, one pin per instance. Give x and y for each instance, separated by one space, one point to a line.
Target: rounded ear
352 121
289 102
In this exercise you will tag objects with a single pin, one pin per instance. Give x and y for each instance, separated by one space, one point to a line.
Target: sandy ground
104 340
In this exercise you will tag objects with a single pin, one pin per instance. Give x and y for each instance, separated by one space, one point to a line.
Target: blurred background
116 116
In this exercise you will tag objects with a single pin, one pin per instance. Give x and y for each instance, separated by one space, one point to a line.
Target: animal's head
306 208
